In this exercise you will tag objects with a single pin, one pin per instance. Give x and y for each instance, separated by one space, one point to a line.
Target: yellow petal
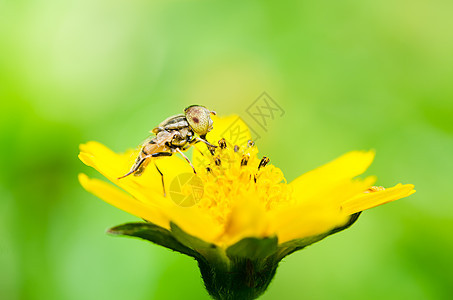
123 201
247 219
190 220
319 214
368 200
113 165
347 166
299 224
232 128
147 189
194 222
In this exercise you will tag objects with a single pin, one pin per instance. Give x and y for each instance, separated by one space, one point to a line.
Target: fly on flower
249 216
174 134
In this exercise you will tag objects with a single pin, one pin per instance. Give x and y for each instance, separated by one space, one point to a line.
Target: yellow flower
245 214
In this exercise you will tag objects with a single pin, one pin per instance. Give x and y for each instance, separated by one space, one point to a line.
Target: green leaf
154 234
253 248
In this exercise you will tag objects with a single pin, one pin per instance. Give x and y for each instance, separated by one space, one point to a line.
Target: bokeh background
348 75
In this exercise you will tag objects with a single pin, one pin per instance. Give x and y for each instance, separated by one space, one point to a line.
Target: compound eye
199 119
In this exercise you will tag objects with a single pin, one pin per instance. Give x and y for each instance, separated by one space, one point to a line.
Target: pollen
233 173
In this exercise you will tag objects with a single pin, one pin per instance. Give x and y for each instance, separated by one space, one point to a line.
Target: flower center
235 173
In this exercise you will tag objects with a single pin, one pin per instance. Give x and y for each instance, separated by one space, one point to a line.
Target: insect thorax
184 136
177 122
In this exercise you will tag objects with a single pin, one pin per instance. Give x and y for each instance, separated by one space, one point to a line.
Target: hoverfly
174 134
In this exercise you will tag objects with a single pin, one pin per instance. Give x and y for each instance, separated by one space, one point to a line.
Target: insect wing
172 123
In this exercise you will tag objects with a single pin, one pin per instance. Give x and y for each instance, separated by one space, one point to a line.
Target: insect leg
162 177
202 154
139 167
188 160
159 154
135 167
204 141
190 143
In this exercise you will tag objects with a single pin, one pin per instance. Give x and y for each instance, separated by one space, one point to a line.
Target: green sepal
189 240
154 234
242 271
253 248
208 252
252 265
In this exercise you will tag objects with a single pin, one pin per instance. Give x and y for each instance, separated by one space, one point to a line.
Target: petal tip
83 180
85 158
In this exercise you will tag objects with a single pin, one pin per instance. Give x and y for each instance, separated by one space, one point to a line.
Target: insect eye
199 119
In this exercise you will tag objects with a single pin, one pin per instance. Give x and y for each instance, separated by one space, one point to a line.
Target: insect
174 134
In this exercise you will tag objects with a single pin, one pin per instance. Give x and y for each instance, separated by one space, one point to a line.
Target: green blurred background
348 74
